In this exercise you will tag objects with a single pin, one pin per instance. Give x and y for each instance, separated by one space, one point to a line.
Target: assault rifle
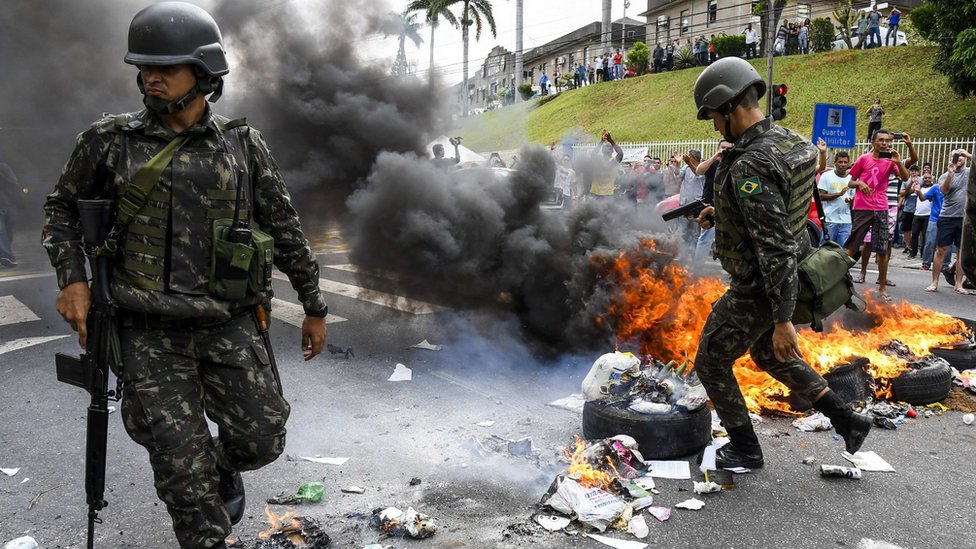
91 370
691 209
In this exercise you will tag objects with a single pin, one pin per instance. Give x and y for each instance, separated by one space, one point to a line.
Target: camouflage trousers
740 323
967 251
177 378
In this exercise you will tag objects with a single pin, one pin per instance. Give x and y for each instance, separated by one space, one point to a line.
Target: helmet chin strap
161 106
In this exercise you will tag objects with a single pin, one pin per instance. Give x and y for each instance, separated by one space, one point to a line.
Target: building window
802 12
712 12
685 21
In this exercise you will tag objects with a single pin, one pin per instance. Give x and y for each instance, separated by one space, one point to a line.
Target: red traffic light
780 89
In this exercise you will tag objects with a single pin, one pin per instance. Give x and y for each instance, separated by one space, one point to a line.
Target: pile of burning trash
654 387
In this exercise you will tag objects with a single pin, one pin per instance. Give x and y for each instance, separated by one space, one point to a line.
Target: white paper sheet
325 460
618 543
869 461
669 469
11 471
428 346
573 403
401 373
693 504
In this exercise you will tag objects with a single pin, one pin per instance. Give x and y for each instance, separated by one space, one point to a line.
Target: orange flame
286 524
580 468
663 308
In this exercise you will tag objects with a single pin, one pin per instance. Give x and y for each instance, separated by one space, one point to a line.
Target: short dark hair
841 154
750 98
913 167
879 131
927 165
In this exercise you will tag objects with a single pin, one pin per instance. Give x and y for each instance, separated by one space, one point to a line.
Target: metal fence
936 151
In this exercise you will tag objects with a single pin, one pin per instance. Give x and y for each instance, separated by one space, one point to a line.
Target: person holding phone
869 179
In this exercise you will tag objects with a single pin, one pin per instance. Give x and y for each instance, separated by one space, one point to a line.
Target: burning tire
851 382
961 359
659 436
923 386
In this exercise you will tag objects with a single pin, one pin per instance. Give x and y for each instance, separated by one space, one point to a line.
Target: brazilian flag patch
749 187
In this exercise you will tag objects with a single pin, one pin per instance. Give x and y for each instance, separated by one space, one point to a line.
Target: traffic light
779 101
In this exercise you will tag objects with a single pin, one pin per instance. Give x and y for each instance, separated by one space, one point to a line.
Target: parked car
839 44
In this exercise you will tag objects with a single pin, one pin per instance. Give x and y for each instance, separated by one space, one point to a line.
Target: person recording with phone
869 179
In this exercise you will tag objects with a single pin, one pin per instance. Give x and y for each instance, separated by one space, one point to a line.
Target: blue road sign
836 124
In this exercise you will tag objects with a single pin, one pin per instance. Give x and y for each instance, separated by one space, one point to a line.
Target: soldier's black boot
231 492
853 427
742 451
219 545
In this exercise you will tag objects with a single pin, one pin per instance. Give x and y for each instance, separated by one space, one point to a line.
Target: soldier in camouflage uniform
967 251
762 195
186 354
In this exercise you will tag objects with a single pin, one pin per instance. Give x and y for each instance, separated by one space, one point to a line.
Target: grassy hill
917 99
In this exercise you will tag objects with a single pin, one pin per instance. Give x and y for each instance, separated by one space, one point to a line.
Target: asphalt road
426 428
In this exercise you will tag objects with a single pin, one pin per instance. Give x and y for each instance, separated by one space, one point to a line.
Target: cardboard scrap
869 461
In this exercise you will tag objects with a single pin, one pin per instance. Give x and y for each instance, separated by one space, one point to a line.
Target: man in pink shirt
869 179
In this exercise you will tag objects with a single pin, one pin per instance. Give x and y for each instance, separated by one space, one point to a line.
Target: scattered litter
815 422
25 542
809 460
485 423
707 487
660 513
310 492
840 471
869 461
401 373
25 480
9 471
521 447
669 469
721 477
608 370
353 490
967 378
592 506
968 419
708 455
641 503
573 403
638 527
692 504
642 406
325 460
287 530
617 543
552 522
336 350
872 544
407 523
415 481
428 346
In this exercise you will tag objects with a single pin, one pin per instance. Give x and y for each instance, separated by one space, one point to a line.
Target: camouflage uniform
762 196
967 252
187 356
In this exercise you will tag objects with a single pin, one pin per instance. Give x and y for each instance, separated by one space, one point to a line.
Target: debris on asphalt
669 469
869 461
323 460
353 490
967 379
637 527
592 506
521 447
426 345
415 481
573 403
809 460
288 531
840 471
552 522
968 419
407 523
692 504
654 388
24 542
401 373
485 423
310 492
336 350
660 513
11 471
617 543
707 487
812 423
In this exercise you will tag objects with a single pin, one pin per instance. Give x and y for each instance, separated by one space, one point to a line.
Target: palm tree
471 14
406 27
433 11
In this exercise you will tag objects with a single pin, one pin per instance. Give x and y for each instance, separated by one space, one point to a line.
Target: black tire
923 386
658 436
851 382
960 359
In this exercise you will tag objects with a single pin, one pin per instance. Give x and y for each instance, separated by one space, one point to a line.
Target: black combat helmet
723 82
176 33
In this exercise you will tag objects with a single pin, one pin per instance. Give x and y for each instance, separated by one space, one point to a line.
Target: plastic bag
608 367
310 492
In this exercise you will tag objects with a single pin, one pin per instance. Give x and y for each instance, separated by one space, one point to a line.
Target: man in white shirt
836 198
752 37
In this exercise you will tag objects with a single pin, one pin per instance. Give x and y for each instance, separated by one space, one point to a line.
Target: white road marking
25 342
384 299
13 311
25 277
294 314
350 268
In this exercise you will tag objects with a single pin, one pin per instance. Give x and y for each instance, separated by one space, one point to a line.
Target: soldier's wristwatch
318 313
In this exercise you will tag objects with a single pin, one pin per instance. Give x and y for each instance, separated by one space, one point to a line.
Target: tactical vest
167 245
794 158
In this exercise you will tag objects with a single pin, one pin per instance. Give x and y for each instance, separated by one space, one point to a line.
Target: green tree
768 18
638 58
684 58
952 25
729 45
406 26
821 35
473 13
432 11
525 90
846 17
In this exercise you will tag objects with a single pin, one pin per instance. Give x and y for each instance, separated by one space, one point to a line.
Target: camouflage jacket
98 168
763 190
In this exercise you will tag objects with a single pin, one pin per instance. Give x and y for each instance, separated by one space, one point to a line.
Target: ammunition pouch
825 285
239 269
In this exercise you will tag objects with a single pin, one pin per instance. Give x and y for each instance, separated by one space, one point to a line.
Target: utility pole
518 50
605 29
623 27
